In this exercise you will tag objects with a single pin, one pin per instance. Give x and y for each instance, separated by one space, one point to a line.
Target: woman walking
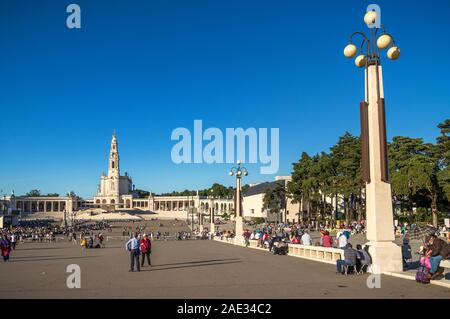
5 248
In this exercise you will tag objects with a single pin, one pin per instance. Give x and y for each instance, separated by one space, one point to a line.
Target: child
425 257
406 252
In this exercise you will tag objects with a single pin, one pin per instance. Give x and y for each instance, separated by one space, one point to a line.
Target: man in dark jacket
439 250
350 256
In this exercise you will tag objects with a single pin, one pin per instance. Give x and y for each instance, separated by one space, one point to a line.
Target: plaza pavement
188 269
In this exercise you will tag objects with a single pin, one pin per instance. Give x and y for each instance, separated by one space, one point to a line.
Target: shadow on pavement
57 258
198 262
195 265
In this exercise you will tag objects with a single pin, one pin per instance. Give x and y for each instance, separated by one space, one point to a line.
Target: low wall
316 253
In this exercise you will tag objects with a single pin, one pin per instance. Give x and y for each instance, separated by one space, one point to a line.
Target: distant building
114 191
254 198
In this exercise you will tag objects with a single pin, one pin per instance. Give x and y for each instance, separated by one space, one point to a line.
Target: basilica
115 193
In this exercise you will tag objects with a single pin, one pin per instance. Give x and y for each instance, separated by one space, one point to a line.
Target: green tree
274 200
348 177
141 193
34 193
52 195
443 146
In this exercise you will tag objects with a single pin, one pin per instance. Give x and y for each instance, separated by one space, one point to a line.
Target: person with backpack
146 249
423 272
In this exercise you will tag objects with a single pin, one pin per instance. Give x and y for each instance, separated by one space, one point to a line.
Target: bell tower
113 168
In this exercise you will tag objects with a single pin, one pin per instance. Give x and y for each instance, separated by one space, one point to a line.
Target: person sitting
406 252
350 256
439 250
326 240
306 239
342 240
295 239
362 258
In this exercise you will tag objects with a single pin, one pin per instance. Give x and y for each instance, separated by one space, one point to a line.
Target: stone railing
317 253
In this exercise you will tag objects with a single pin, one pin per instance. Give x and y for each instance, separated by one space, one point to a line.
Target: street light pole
386 255
239 225
212 225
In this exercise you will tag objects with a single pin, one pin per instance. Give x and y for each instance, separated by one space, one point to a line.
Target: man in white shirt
134 247
13 241
342 241
306 238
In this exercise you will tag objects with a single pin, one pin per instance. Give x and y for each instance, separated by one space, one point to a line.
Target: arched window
112 164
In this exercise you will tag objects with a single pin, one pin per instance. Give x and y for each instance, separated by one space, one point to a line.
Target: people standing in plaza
13 241
146 250
134 248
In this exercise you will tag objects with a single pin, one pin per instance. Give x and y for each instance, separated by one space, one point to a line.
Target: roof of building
261 188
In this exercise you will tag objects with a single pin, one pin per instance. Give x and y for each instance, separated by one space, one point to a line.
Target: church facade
114 190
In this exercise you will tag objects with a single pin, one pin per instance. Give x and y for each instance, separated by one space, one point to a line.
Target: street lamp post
212 225
239 225
386 255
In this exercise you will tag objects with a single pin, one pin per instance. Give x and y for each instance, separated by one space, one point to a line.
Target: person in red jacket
5 247
327 241
146 249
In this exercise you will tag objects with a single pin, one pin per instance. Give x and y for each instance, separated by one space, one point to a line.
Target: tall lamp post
386 255
239 230
212 228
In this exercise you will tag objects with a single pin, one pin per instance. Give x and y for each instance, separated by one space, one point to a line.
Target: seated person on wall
362 258
325 239
306 238
295 239
439 250
350 256
406 252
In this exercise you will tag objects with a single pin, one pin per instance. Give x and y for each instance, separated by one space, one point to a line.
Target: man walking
134 248
146 249
13 241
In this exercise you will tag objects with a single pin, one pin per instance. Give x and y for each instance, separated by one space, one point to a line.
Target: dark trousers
340 264
146 254
13 244
134 257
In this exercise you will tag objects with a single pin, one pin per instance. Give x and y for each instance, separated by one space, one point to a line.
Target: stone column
386 255
212 226
239 230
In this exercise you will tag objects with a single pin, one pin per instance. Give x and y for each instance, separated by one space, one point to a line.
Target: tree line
419 176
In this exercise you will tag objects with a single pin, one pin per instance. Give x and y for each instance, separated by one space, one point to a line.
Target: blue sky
145 68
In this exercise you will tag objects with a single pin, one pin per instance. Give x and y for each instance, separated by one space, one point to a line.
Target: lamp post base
386 256
239 231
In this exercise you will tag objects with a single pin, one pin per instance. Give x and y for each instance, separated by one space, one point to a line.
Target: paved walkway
188 269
